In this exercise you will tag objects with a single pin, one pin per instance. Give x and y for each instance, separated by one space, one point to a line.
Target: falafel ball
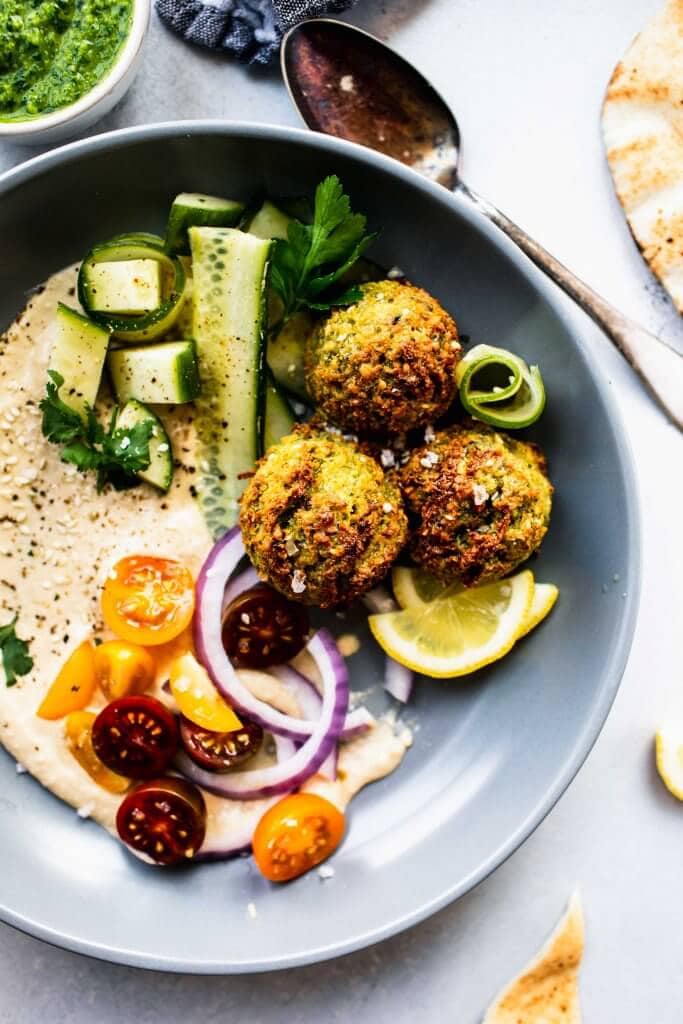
479 501
385 364
320 521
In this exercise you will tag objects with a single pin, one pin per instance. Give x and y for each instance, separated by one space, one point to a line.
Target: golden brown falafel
385 364
479 501
320 521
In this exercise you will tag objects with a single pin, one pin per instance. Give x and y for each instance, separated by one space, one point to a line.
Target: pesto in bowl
55 51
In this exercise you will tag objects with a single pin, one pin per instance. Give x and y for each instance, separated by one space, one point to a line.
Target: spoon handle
659 365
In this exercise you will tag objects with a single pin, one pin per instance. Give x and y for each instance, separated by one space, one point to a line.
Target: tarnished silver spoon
347 83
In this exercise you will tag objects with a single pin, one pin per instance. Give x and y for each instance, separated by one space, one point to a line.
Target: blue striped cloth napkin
248 29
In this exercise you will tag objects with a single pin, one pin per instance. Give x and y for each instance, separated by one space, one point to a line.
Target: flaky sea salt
85 810
429 460
325 872
387 458
20 769
298 581
480 494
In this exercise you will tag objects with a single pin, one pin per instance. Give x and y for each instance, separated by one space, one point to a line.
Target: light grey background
526 79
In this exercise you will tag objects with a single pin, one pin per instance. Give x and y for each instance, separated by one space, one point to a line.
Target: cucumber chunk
130 286
192 209
159 473
163 374
286 354
279 419
230 269
78 351
269 222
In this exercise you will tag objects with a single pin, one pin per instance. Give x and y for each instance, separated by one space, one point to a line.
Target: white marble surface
526 79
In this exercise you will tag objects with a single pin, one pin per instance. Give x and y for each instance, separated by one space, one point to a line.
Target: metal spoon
347 83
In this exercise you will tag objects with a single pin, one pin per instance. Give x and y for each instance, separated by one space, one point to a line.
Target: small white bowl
93 105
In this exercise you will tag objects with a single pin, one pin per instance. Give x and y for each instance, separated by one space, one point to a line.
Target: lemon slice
669 753
459 632
545 596
414 588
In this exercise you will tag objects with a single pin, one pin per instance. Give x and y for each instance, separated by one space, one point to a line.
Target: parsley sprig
16 660
115 454
316 256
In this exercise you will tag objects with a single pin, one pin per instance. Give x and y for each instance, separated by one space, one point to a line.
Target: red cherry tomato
136 736
164 819
262 628
220 751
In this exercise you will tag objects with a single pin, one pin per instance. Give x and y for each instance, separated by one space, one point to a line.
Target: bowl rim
614 666
63 115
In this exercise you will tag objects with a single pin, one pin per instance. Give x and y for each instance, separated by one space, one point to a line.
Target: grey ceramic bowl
493 752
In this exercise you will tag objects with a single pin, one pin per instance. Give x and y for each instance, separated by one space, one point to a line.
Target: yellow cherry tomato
198 699
78 734
148 600
74 686
122 668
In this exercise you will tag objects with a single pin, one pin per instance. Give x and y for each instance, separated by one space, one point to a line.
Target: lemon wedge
669 754
414 588
459 631
545 596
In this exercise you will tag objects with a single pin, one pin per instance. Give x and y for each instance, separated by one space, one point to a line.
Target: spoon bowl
345 82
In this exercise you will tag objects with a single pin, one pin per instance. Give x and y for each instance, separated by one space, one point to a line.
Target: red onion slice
309 700
398 680
211 585
287 776
236 838
245 581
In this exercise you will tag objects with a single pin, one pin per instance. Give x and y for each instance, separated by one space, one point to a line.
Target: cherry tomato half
74 686
148 600
220 751
164 819
122 668
136 737
262 628
295 835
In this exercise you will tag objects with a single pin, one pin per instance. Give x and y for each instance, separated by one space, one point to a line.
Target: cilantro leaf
115 454
316 256
16 660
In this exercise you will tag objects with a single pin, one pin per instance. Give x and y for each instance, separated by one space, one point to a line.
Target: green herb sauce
52 52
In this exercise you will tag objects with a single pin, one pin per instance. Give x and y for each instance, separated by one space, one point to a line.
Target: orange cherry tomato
78 733
198 699
295 835
74 686
122 668
148 600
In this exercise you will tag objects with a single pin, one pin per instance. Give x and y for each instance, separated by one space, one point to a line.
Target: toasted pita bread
547 990
642 123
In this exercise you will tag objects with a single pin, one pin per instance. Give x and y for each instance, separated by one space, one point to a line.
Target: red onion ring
309 700
211 584
245 581
287 776
398 680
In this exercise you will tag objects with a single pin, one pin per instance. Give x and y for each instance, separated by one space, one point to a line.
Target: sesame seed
387 507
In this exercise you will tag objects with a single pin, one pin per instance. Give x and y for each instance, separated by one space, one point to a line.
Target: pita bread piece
642 122
547 990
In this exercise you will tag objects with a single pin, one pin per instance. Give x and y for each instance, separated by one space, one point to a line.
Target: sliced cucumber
192 209
270 222
230 269
159 473
78 352
286 354
279 418
128 286
125 248
164 374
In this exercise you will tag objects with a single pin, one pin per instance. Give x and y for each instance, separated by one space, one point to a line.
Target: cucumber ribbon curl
515 400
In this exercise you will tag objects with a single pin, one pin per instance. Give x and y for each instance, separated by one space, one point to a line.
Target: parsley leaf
16 660
316 256
115 454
